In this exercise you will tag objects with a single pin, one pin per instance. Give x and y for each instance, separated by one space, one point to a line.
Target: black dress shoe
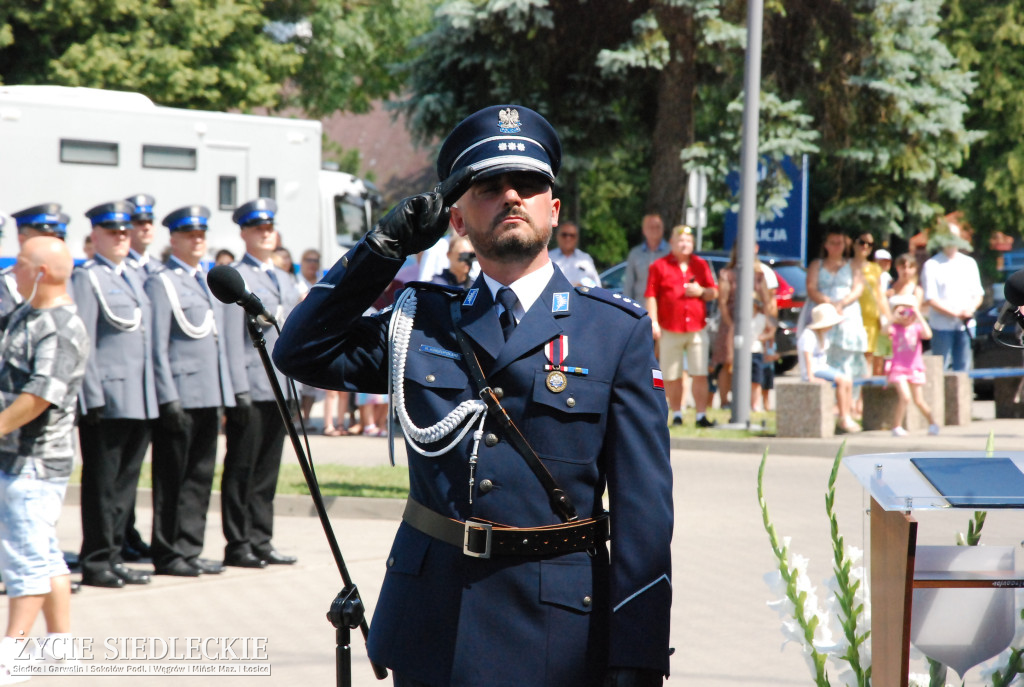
131 576
179 568
76 587
206 566
274 557
244 560
103 578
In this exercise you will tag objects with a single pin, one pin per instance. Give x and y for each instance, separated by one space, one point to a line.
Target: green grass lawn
689 429
381 481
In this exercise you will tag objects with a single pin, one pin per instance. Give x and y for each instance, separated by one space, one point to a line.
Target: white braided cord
399 334
118 322
200 331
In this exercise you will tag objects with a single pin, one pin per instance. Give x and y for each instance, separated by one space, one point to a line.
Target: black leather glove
92 416
243 408
633 677
413 225
243 401
172 416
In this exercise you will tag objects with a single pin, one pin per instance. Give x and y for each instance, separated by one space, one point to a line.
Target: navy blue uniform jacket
444 618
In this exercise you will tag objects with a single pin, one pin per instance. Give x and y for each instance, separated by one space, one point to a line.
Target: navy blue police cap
499 139
45 217
143 203
188 218
259 211
113 215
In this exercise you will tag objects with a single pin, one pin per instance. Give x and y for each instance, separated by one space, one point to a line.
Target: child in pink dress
907 330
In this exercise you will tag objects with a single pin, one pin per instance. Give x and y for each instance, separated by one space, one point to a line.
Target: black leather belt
482 539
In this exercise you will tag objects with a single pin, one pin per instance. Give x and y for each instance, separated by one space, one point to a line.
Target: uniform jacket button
499 392
587 601
391 561
486 485
431 378
491 439
571 402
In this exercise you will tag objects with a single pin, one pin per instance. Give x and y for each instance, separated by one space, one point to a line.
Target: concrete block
959 396
879 402
805 409
1005 392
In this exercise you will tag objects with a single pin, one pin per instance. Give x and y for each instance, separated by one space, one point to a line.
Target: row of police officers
167 360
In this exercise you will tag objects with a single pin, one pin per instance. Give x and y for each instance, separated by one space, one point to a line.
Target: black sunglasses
865 243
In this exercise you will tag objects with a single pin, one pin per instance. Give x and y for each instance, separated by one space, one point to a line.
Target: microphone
1010 315
228 286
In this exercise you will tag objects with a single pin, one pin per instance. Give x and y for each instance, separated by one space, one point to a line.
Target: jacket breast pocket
185 366
567 425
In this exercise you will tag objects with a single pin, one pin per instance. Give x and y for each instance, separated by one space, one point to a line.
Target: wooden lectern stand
897 486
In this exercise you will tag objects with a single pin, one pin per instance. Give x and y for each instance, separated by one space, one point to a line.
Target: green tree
988 39
907 134
350 48
187 53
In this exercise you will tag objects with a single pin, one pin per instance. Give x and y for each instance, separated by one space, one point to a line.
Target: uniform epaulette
446 289
87 264
617 299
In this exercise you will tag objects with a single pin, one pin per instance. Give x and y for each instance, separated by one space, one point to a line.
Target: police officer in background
38 220
142 235
193 383
509 523
254 429
118 394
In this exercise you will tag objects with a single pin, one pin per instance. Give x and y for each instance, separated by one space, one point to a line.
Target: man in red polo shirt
678 285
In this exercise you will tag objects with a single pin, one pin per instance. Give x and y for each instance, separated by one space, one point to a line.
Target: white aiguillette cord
399 334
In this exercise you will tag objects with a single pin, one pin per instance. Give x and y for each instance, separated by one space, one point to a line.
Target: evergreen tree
988 38
907 135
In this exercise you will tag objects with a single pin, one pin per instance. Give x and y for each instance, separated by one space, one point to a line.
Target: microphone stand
347 611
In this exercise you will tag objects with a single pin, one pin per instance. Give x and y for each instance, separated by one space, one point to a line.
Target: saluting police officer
142 235
38 220
254 430
193 383
522 400
118 394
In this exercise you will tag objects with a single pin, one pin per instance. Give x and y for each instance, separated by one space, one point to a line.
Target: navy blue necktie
507 298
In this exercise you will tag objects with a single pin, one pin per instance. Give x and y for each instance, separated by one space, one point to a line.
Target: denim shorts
29 551
829 374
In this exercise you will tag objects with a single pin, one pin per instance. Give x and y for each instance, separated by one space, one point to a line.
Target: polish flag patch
659 383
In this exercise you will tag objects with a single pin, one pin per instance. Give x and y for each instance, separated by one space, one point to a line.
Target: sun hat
903 300
883 254
825 315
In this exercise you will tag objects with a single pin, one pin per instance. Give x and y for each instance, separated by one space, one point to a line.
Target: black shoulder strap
560 501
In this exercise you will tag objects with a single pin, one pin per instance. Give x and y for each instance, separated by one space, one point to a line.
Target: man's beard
511 247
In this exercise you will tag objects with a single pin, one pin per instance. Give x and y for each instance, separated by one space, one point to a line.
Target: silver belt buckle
471 525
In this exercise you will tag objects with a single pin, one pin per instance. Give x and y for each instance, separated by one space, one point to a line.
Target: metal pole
748 217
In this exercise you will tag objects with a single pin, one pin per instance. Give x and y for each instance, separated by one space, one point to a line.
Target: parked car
790 297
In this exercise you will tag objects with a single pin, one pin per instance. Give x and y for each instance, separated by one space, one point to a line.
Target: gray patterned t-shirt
43 353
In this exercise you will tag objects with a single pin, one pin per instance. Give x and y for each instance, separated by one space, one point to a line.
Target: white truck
82 147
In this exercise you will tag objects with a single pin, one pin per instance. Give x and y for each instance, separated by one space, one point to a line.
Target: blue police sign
785 235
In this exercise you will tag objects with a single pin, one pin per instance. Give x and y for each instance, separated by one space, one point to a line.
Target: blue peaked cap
500 139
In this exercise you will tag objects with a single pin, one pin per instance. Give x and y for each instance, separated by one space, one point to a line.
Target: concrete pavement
723 631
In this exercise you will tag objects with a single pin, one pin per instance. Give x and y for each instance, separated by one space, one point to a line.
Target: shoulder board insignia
617 299
451 291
